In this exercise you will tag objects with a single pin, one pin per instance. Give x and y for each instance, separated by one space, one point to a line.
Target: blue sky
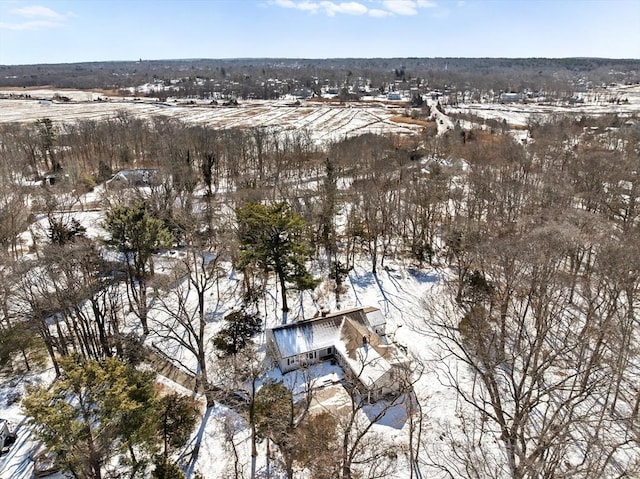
93 30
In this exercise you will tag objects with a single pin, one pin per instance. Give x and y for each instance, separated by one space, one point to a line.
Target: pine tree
275 419
137 235
272 238
95 411
177 419
239 329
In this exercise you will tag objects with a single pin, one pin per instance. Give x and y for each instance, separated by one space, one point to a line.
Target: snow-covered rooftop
309 336
369 365
321 332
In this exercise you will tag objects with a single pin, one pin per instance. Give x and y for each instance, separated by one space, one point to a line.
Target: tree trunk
283 287
142 306
102 335
252 421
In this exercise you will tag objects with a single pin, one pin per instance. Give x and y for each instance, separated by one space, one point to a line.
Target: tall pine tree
272 238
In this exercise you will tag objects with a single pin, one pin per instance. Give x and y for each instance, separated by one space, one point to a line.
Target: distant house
354 338
510 97
302 93
394 96
133 178
49 180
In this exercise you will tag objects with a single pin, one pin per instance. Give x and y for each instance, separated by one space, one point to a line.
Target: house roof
321 332
140 175
299 338
364 358
375 317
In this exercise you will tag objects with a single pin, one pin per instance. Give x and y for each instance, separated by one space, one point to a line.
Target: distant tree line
251 77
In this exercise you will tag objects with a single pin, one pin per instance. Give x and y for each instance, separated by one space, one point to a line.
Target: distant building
510 97
354 338
302 93
394 96
49 180
133 178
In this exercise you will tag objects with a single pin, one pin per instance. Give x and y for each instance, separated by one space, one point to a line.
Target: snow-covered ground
398 290
520 114
323 121
18 462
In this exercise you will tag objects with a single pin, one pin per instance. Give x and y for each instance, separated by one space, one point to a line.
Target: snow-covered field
519 114
322 120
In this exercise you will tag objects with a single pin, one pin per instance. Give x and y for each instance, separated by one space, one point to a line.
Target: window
329 350
310 355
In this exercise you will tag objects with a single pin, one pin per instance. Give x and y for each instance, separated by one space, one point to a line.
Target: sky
67 31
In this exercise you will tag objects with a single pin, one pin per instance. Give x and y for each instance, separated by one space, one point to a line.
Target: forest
533 321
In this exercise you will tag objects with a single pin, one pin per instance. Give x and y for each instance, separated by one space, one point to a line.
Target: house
354 338
510 97
132 178
302 93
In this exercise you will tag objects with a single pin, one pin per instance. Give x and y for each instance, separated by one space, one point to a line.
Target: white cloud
308 6
304 5
328 7
401 7
407 7
38 11
36 17
375 12
331 8
348 8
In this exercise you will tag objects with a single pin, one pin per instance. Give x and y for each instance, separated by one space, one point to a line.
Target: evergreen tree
62 232
95 411
272 238
137 235
275 419
165 469
239 329
177 419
